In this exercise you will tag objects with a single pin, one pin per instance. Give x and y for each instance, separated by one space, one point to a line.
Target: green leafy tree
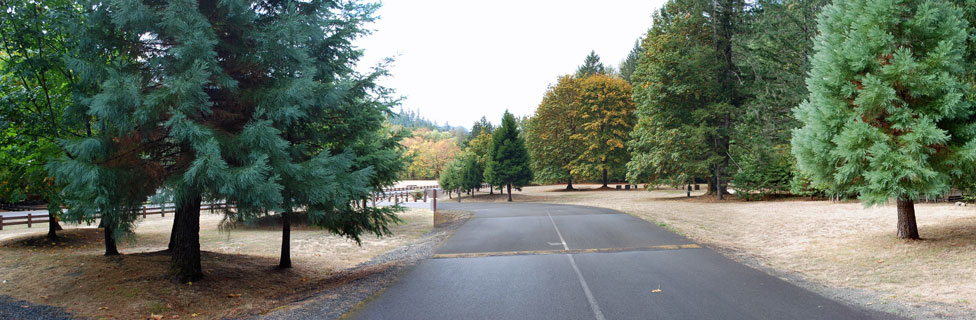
685 94
35 91
551 130
887 116
508 160
606 116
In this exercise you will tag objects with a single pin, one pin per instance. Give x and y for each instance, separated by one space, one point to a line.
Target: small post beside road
29 217
433 203
1 222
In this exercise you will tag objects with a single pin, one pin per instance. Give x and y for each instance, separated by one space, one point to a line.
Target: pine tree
253 103
508 160
887 116
629 64
450 178
606 116
551 130
774 46
591 65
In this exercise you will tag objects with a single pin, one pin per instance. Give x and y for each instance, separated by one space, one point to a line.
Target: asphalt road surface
544 261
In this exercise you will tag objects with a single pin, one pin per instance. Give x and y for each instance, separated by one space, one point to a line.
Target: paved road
543 261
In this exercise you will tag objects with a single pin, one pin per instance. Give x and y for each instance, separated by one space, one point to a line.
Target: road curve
547 261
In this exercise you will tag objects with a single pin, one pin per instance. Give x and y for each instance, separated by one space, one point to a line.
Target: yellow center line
573 251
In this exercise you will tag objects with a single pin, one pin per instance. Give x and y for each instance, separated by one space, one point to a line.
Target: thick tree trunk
285 262
907 229
569 185
605 180
172 233
110 248
491 190
509 192
185 265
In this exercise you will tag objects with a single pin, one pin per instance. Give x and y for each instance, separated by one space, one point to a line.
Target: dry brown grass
841 245
239 266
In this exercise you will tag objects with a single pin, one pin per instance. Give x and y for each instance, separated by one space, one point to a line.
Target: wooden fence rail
146 211
399 195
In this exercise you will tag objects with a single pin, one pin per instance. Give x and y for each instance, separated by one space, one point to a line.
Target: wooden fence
147 210
405 194
396 195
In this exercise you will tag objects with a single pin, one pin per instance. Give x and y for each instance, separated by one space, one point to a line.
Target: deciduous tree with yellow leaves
606 115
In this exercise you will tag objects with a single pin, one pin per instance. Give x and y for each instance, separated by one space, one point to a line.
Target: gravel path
360 283
16 309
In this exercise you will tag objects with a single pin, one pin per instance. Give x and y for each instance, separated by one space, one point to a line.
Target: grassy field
838 245
239 263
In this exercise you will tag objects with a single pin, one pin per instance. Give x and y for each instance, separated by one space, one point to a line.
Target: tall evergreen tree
675 92
591 65
551 130
773 47
508 160
887 116
223 100
479 127
606 116
629 64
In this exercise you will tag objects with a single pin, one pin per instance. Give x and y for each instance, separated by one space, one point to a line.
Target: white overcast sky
459 60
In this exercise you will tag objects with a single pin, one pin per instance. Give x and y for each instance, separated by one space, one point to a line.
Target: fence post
434 203
1 222
143 212
162 212
29 219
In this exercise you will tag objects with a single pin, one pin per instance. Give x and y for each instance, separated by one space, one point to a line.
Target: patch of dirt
239 264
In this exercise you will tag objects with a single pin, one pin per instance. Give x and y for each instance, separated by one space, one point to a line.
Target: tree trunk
459 194
185 265
605 178
53 226
285 262
491 190
718 183
509 192
569 186
172 233
110 248
907 229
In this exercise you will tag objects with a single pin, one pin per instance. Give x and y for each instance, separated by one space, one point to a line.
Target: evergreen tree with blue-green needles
887 116
251 102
